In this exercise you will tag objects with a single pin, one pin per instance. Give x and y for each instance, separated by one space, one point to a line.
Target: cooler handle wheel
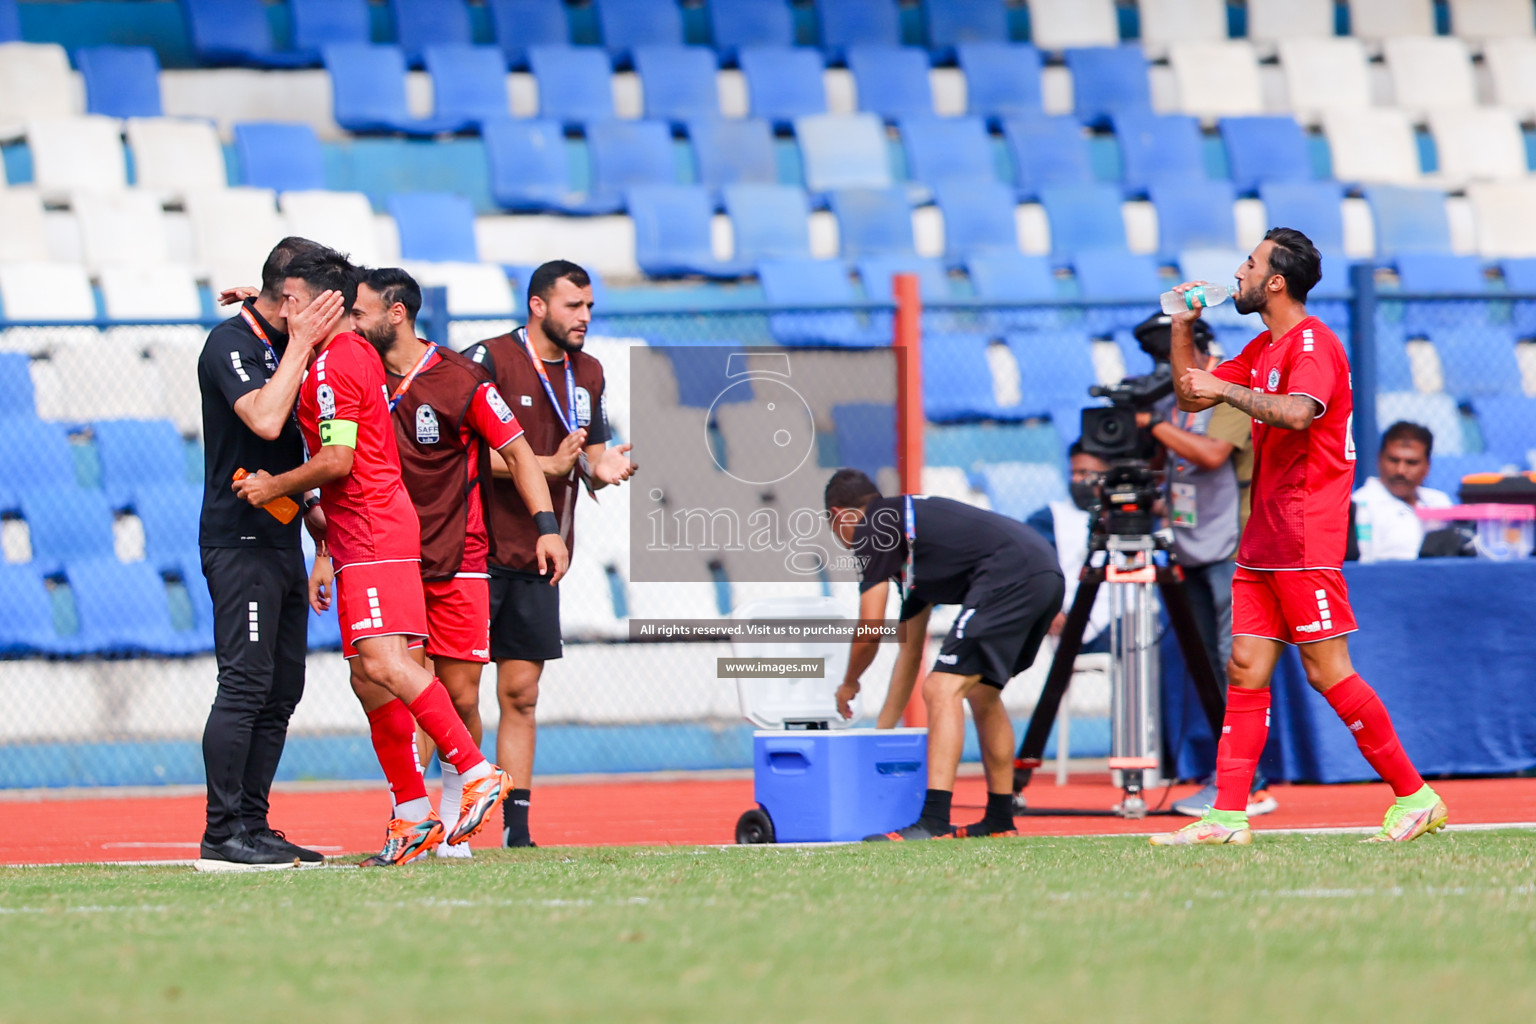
754 826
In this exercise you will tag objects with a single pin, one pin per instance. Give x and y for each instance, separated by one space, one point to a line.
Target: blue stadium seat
1019 489
10 22
1117 274
738 24
530 172
1408 219
701 373
123 609
423 23
794 284
236 32
120 81
1508 423
1311 207
866 435
1477 360
1440 272
1393 372
190 569
1265 149
26 615
1011 277
520 24
1439 413
892 81
35 454
1001 79
627 154
876 273
368 91
15 391
978 218
783 83
1055 368
1047 151
1520 277
1083 217
573 83
845 23
1193 215
770 221
957 380
1158 147
873 221
733 151
66 523
320 23
435 227
469 83
1446 471
678 82
672 232
951 22
627 24
965 445
1108 80
283 156
170 514
134 453
941 149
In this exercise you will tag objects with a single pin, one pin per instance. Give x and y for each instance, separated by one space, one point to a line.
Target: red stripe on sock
435 711
393 731
1362 711
1244 731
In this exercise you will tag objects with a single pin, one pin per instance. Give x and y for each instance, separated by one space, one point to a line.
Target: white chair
1373 146
46 291
1506 217
474 289
148 291
233 231
1478 145
1166 22
25 237
1378 20
952 482
227 96
104 379
841 151
1437 412
1217 79
173 354
1511 66
1270 21
35 82
1059 24
673 600
1482 21
1433 73
1324 74
174 156
121 228
76 154
341 220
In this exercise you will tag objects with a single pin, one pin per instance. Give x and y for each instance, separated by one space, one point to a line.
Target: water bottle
1209 295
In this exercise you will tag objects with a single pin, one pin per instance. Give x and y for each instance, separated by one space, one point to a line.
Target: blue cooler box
827 786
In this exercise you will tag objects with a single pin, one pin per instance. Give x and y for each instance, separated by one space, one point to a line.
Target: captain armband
340 432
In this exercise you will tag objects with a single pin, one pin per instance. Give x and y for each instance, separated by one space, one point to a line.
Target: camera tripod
1128 567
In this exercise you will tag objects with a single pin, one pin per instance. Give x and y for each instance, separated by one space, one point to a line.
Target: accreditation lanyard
568 422
410 378
261 335
908 578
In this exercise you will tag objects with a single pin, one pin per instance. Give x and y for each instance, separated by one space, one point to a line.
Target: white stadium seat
174 156
74 154
1219 79
1511 66
1478 145
46 291
1324 74
100 379
1481 21
1377 20
1372 146
173 352
25 237
35 81
474 290
1165 22
1433 73
233 230
586 606
826 138
149 291
672 600
1059 24
227 96
1270 21
952 482
121 228
1437 412
1506 217
342 220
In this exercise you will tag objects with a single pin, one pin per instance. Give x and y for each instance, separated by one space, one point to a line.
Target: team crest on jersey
583 407
526 400
326 399
498 405
1274 378
426 426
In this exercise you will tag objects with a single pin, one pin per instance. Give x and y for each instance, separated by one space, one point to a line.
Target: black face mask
1085 493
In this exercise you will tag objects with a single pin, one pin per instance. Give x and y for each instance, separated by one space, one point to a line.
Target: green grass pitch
1294 928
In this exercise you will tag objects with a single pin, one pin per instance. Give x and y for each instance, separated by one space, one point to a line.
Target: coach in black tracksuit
249 375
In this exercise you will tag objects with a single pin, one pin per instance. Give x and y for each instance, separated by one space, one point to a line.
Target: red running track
607 812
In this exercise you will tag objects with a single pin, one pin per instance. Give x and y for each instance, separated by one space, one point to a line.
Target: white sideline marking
85 910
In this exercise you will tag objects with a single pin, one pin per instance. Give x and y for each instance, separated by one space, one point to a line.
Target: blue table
1450 644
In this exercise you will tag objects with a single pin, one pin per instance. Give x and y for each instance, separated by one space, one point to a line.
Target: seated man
1065 525
1386 525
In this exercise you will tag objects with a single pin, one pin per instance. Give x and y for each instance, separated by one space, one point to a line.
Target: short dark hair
1296 259
326 270
395 285
542 281
850 488
275 270
1402 430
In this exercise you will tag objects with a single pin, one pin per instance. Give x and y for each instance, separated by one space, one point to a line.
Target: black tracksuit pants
260 626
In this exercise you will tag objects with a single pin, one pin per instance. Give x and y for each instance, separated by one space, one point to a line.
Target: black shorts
1001 625
525 618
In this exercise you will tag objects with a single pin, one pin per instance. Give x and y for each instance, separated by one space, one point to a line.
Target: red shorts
379 599
1296 606
459 618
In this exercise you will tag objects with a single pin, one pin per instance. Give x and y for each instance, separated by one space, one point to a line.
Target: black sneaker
985 828
241 853
911 833
518 842
272 838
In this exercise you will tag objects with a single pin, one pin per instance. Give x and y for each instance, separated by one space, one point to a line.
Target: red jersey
1302 479
368 513
446 412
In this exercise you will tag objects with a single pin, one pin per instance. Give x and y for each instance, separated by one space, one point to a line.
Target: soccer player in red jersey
1294 381
448 415
374 538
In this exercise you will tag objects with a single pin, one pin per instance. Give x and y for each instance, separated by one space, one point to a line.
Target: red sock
1244 731
1360 709
394 741
435 711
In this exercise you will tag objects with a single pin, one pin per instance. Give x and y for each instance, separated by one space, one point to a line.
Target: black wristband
310 502
546 522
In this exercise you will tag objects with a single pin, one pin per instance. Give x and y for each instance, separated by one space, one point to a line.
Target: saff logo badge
583 407
427 431
1274 378
325 398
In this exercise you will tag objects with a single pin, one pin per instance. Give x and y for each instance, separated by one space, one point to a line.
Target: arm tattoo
1293 412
